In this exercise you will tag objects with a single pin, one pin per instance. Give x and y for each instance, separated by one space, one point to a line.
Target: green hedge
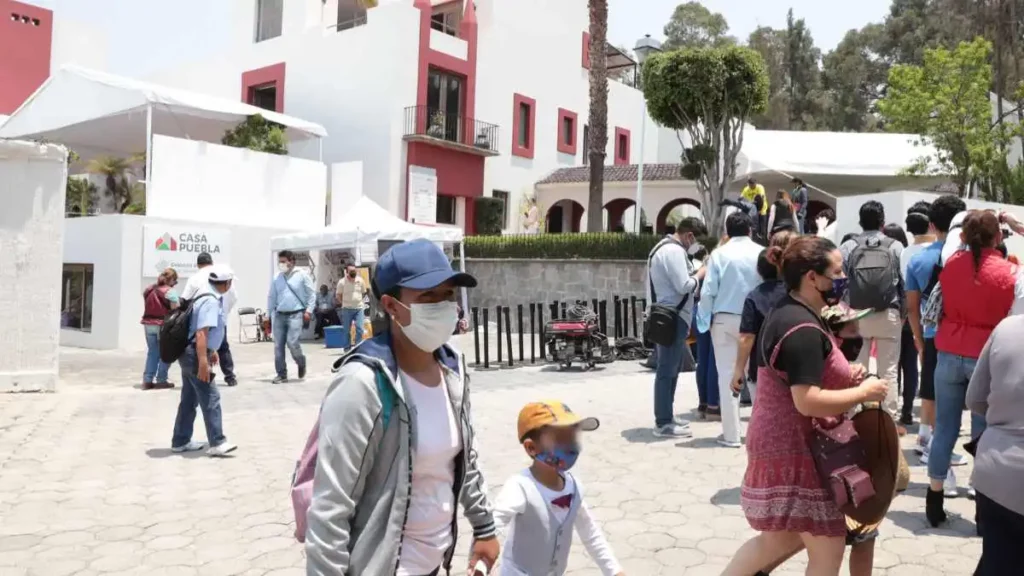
581 246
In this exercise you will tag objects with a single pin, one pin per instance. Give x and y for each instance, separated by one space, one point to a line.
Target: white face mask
282 266
431 325
693 249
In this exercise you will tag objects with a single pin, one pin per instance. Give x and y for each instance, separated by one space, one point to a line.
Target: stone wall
508 282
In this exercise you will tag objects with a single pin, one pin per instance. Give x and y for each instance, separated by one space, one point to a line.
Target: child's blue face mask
560 458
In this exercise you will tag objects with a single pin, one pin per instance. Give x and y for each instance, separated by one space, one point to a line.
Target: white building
490 98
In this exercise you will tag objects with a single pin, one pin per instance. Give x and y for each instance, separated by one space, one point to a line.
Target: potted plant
436 128
483 141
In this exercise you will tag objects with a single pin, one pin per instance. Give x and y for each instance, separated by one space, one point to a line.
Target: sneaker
949 489
232 382
681 422
746 403
907 419
958 460
921 447
222 449
729 443
279 380
190 447
713 414
971 492
673 431
302 372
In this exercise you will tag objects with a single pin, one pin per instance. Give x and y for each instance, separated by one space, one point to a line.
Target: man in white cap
207 331
197 284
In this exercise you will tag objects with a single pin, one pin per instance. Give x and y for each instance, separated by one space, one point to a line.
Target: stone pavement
88 484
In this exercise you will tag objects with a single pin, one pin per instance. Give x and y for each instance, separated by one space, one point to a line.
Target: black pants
323 320
227 363
1002 534
908 369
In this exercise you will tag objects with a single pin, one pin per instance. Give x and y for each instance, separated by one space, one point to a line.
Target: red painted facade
567 140
26 37
273 75
459 173
519 102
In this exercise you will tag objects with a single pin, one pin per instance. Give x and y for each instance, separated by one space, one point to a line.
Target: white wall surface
76 42
206 182
346 187
113 245
32 181
534 48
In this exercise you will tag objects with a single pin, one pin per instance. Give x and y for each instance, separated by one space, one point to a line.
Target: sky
629 20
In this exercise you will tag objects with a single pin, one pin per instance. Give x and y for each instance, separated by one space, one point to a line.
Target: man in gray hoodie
396 449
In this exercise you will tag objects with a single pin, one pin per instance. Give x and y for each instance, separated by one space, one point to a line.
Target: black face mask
851 347
352 274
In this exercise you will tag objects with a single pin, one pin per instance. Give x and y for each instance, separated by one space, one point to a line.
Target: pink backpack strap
775 351
302 481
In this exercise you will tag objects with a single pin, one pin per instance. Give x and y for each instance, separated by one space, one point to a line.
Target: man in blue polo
206 333
290 305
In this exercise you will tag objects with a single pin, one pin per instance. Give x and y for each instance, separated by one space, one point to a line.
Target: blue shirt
670 273
325 302
919 273
207 312
732 274
292 293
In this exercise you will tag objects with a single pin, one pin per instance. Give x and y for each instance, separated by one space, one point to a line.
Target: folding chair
248 319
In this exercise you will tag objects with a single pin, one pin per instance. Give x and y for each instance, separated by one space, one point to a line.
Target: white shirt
200 282
511 502
428 528
906 255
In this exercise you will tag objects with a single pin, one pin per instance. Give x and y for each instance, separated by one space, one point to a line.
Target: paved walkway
88 485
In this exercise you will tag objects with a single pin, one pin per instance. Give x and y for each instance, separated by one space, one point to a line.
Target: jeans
952 374
155 367
725 332
287 330
197 393
707 370
1002 531
349 315
227 363
908 369
666 376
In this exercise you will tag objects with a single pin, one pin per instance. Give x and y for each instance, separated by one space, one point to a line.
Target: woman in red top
158 300
978 291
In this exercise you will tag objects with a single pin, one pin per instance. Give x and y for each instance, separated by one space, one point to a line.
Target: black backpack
874 273
174 338
661 323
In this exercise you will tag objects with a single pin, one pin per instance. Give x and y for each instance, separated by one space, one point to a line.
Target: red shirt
156 305
973 303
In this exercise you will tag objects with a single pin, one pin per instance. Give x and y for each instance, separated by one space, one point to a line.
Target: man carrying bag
671 282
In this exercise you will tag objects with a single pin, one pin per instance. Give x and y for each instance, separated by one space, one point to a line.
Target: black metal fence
436 123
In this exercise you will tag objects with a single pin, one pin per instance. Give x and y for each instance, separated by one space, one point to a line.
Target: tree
771 45
946 101
806 99
259 134
854 75
694 26
116 172
598 121
708 94
79 197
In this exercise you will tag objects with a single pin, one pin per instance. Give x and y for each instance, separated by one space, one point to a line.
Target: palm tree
598 111
114 170
79 197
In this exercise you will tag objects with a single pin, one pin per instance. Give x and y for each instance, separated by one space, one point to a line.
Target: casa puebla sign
171 247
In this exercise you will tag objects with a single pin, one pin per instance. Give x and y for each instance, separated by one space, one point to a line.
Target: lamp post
644 48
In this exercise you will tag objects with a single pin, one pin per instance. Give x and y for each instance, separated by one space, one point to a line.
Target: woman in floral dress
802 374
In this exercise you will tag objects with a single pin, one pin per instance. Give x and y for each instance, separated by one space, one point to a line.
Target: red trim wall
586 50
261 77
518 100
569 148
622 156
458 173
24 52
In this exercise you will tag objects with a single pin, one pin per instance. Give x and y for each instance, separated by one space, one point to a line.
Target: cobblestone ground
89 486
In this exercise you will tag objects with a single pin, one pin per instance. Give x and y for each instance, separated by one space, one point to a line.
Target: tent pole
462 268
320 149
149 149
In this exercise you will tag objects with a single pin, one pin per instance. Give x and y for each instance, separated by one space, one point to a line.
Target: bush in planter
489 215
575 246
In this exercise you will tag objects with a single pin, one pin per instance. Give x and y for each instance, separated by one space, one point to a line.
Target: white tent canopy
361 227
89 110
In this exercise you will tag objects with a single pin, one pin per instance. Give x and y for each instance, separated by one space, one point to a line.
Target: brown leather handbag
841 461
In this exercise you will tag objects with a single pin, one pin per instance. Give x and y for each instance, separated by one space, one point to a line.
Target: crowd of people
796 323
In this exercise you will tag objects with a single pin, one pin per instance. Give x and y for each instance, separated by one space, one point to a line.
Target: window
446 209
523 123
566 131
503 196
586 144
264 97
351 13
446 18
444 106
269 14
622 142
76 297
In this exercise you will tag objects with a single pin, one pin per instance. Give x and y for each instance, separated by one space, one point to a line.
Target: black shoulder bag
661 323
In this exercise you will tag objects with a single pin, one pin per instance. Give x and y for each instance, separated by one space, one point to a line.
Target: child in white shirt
543 504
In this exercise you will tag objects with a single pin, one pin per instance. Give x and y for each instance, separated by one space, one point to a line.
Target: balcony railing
423 121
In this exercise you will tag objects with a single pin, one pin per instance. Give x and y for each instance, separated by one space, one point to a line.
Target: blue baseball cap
417 265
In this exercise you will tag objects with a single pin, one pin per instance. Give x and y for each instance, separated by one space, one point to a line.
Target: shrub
588 246
489 212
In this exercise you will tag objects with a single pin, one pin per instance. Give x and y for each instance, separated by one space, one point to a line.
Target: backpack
874 274
174 339
305 468
662 320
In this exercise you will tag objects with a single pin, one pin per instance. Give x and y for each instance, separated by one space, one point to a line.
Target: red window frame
571 147
273 75
518 100
622 154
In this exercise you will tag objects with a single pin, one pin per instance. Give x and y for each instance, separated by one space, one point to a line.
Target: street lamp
644 48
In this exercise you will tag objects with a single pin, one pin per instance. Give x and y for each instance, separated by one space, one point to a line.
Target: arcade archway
564 216
663 214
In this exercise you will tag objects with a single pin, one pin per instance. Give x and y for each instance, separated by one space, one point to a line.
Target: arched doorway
614 215
691 207
564 216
